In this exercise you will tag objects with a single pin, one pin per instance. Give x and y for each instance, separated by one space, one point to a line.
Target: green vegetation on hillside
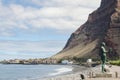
115 62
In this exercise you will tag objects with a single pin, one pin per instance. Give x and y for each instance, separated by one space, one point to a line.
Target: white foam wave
61 71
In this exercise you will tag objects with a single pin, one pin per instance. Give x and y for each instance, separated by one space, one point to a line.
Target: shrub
115 62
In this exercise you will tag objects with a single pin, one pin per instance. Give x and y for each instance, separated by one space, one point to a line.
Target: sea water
31 72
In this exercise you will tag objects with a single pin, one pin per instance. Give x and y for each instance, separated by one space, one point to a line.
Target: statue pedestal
104 75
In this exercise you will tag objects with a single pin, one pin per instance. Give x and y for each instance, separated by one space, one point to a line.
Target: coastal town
30 61
36 61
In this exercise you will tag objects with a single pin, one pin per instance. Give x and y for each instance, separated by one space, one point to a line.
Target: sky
39 28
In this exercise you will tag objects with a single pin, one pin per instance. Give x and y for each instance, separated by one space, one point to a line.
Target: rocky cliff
103 25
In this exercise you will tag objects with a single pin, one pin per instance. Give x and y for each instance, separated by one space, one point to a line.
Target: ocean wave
61 71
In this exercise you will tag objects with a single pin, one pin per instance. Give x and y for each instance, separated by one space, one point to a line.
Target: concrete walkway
103 79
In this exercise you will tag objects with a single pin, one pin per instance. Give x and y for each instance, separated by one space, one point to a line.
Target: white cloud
31 46
29 49
67 3
55 14
62 16
22 13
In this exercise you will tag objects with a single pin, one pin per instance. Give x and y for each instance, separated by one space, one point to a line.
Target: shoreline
76 73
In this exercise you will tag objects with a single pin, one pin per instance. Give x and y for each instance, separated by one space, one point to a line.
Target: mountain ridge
101 26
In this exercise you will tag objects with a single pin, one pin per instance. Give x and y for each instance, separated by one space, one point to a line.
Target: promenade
95 70
103 79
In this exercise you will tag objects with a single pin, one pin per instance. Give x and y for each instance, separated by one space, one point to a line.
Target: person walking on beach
103 56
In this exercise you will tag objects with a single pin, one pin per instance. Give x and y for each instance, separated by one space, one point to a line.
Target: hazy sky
39 28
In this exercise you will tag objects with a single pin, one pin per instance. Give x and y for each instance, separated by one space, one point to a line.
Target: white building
67 62
89 61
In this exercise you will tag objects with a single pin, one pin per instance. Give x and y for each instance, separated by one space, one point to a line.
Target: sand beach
76 75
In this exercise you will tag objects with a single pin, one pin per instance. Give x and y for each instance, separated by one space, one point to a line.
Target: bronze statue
103 56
